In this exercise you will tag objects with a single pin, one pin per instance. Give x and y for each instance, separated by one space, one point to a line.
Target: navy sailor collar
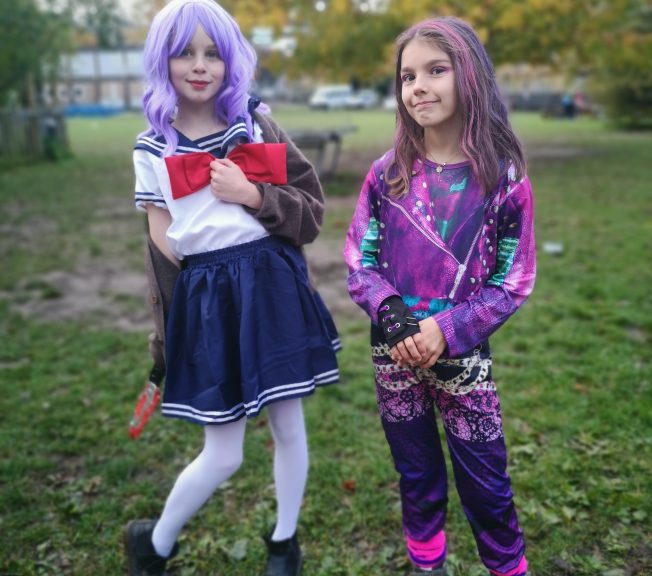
217 143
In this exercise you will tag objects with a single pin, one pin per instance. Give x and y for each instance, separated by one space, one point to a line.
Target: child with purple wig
245 329
441 252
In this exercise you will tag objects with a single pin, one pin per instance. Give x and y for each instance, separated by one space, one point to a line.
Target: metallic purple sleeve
473 320
366 283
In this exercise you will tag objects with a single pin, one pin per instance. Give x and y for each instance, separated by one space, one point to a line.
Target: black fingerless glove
396 320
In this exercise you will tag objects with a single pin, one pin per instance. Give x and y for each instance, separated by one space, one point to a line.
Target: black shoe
143 559
284 558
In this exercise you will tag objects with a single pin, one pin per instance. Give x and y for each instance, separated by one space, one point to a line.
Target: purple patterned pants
472 422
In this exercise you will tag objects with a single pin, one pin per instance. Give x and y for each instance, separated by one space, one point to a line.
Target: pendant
439 169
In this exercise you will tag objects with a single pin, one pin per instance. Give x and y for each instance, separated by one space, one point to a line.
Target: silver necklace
441 165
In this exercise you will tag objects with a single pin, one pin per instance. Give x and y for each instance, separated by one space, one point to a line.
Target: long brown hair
487 136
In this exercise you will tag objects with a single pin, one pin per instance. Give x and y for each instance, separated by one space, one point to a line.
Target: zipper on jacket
458 278
462 267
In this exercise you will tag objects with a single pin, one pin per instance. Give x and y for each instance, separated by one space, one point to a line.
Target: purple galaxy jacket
449 251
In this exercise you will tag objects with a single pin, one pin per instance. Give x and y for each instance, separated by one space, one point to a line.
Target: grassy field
574 370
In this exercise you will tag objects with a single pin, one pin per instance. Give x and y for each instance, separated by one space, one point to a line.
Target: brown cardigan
294 211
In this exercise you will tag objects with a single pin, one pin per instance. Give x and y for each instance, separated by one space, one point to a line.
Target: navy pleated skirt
245 329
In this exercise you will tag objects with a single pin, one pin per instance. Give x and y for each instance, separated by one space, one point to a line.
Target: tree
342 41
622 77
101 19
30 41
610 42
276 14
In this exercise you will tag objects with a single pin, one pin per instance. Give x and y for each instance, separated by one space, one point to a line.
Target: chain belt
473 373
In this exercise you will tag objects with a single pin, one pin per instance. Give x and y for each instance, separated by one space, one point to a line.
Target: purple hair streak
487 137
170 32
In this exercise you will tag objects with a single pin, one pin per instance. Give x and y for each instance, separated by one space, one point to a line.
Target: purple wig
487 136
171 31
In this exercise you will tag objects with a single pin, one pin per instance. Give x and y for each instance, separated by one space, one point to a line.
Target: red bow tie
259 162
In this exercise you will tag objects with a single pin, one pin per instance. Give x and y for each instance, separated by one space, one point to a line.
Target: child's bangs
216 27
182 33
186 26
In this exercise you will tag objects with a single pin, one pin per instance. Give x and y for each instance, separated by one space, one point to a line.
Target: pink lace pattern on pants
402 395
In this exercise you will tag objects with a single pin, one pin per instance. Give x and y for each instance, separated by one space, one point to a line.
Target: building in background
99 81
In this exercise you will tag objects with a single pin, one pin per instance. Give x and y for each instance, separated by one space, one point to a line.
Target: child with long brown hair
441 252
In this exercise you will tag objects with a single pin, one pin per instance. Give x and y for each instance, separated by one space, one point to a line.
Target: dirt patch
114 296
329 274
108 293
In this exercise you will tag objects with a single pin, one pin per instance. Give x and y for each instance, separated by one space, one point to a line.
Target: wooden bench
322 147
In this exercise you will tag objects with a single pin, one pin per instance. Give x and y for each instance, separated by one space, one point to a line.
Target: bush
624 76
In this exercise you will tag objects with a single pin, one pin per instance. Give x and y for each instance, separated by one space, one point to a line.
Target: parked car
330 97
390 104
363 99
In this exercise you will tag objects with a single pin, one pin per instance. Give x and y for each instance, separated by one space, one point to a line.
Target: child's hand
422 349
433 343
228 183
409 352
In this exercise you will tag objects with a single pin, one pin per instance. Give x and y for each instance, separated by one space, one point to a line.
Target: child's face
428 85
198 72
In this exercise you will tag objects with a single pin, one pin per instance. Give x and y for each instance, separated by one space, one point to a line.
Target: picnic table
322 146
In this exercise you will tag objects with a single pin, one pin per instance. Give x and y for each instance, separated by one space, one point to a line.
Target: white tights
222 456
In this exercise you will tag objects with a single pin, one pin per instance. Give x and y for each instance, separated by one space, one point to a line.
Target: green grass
573 368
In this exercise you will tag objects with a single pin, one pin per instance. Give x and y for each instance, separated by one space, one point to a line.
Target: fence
39 133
